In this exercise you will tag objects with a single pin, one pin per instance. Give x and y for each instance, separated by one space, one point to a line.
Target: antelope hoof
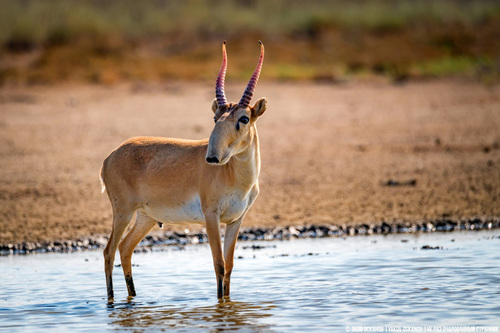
111 294
130 285
219 288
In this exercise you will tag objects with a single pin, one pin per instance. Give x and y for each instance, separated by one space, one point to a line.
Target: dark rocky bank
277 233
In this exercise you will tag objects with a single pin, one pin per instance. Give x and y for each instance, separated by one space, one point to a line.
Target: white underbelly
231 208
189 212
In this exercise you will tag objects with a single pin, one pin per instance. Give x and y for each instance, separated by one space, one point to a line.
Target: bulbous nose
212 159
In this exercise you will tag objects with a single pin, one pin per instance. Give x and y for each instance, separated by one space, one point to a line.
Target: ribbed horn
219 85
247 95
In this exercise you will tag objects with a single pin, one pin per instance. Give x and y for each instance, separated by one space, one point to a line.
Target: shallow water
323 284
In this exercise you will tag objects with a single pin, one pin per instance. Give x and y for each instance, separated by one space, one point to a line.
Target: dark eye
215 119
244 120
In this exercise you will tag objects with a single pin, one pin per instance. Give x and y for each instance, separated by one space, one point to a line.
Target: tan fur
168 180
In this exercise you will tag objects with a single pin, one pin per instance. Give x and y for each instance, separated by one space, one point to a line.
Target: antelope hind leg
141 228
120 222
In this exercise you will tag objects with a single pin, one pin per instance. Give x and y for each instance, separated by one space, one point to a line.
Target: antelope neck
246 164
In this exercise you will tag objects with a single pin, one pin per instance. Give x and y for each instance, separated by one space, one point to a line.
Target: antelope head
234 129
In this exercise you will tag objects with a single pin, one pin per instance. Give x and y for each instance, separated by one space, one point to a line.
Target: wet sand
343 155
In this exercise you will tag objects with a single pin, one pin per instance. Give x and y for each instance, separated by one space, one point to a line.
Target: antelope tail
103 185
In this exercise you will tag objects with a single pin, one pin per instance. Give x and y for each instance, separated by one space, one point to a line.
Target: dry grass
326 151
114 41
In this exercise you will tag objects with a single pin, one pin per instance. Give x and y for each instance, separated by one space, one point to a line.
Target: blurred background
77 78
109 41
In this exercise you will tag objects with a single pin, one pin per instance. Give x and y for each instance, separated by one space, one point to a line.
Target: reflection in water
225 315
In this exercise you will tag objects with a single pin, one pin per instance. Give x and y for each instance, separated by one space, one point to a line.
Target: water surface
296 285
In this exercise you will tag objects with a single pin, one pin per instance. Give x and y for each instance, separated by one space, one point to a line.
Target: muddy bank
269 234
334 155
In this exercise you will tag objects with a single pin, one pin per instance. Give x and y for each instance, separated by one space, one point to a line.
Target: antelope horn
219 85
247 95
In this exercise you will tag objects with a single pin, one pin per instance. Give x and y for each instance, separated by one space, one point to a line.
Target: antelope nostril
212 159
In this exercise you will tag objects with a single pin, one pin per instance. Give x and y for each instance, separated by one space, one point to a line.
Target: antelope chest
233 206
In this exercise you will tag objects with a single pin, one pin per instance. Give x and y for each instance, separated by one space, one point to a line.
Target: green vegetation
308 39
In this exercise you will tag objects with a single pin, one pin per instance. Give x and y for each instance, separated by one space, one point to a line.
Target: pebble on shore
277 233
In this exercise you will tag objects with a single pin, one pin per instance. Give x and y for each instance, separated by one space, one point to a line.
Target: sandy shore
337 155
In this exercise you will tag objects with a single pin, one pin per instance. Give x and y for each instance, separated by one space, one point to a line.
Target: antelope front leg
230 239
212 224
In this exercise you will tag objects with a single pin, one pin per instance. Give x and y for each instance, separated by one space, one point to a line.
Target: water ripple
377 280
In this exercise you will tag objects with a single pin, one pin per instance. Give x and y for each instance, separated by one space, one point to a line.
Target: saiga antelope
174 180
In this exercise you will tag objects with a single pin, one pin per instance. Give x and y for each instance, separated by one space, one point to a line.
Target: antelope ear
259 107
215 106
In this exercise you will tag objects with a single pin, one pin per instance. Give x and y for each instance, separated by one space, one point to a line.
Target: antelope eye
215 119
244 120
